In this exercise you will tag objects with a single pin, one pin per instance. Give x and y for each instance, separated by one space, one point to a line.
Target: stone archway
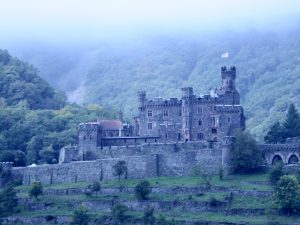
277 159
293 159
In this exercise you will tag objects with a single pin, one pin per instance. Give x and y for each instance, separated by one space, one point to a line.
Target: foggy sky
88 19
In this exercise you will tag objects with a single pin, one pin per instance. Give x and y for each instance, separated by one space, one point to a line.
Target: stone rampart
148 160
102 169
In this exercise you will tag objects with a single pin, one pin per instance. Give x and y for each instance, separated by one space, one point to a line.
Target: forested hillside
268 71
35 120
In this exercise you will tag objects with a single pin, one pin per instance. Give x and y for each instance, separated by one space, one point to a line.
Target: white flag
225 55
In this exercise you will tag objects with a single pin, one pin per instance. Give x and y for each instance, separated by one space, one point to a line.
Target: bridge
288 153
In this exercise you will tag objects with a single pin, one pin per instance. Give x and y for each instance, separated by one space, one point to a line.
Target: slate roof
111 124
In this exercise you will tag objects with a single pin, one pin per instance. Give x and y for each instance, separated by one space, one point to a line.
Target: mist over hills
267 62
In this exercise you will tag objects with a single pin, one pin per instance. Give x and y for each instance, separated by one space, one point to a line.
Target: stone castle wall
149 160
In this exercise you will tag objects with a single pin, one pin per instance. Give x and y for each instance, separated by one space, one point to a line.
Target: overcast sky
80 19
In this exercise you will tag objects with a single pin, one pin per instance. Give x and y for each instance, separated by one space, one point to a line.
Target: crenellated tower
187 112
228 90
90 135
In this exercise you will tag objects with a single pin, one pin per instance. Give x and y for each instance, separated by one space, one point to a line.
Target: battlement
142 93
231 72
187 91
6 165
90 126
229 108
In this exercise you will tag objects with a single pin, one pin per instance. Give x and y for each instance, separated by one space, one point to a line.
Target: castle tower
142 100
142 112
228 90
227 143
187 113
121 116
89 138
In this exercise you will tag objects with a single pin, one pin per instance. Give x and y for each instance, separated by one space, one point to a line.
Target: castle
167 138
209 117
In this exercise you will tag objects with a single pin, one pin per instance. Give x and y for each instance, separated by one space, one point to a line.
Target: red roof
111 124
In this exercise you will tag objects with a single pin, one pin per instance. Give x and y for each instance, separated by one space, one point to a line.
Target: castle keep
209 117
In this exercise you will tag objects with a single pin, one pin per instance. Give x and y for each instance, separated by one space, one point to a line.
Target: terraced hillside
184 200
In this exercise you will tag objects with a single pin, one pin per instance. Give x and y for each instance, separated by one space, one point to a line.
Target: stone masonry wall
138 167
148 160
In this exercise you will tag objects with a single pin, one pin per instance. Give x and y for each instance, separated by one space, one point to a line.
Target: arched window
277 159
83 137
200 122
293 159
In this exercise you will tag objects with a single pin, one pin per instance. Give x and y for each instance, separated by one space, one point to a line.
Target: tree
80 216
142 190
292 122
95 187
35 190
287 193
276 172
8 201
276 134
118 213
245 154
48 154
120 169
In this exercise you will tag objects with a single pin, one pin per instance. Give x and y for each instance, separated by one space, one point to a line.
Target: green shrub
149 216
80 216
287 194
118 213
8 201
35 190
142 190
213 202
95 187
275 173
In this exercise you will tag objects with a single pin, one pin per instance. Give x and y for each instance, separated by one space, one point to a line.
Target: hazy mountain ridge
267 65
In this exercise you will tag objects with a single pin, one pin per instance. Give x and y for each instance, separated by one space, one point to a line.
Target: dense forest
268 70
35 120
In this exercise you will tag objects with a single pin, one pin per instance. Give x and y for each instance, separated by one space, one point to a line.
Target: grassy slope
63 205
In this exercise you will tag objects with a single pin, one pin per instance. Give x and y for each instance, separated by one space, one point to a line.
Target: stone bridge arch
277 157
288 153
293 158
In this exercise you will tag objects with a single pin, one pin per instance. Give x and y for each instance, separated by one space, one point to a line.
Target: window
213 121
166 112
180 113
150 113
179 136
214 130
149 126
215 107
199 109
83 137
200 122
166 136
200 136
228 119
